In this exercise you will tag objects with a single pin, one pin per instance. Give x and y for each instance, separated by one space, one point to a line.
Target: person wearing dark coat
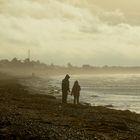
76 92
65 88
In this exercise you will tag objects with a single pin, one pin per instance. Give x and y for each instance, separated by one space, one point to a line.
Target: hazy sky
97 32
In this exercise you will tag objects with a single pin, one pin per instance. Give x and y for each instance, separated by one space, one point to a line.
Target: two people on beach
66 89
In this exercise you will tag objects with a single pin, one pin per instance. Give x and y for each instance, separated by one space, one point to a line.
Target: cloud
61 31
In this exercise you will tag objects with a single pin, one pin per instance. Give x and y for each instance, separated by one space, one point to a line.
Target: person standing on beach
65 88
76 92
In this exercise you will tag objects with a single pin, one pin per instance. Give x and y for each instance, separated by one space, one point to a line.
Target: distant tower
29 54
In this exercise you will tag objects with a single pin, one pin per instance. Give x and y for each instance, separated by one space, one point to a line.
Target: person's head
67 77
76 82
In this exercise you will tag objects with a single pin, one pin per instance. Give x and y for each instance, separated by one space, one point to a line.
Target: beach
27 114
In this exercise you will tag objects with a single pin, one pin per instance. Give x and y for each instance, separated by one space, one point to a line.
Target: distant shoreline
42 69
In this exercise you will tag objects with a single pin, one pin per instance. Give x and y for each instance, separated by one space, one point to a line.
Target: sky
95 32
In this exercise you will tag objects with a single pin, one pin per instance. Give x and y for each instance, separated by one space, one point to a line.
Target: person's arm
79 88
62 85
68 86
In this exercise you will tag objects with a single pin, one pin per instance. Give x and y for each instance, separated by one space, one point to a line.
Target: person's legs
63 97
65 94
74 99
77 99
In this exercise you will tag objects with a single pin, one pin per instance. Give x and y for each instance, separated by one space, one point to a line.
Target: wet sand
24 115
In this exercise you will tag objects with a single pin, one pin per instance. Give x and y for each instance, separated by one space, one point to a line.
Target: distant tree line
15 62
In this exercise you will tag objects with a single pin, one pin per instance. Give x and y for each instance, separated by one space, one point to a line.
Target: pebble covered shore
26 116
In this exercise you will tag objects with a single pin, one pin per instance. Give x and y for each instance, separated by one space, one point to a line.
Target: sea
117 91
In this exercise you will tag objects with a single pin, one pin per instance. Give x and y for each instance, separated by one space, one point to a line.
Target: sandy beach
24 115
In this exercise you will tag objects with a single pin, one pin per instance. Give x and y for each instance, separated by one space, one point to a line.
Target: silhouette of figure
65 88
76 92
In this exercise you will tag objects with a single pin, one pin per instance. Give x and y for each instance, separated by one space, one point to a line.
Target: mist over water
119 91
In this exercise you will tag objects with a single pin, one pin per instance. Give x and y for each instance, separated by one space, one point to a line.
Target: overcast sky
96 32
